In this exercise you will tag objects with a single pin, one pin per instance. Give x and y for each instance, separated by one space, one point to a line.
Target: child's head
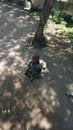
35 58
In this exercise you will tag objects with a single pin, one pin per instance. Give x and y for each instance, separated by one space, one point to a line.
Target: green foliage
70 34
63 27
35 13
56 17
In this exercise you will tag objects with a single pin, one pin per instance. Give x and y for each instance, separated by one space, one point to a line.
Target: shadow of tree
42 103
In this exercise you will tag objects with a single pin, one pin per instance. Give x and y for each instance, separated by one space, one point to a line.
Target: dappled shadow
42 103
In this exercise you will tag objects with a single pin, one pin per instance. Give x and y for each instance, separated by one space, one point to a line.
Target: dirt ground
42 104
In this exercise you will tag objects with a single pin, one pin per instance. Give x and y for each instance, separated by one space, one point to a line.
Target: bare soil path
41 104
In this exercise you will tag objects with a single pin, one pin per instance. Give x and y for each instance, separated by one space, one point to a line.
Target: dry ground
41 104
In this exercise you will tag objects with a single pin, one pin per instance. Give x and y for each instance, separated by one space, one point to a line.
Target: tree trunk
39 38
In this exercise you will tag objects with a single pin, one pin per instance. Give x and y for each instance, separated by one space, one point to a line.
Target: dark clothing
33 69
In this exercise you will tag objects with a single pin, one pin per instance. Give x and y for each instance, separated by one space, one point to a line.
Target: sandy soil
43 103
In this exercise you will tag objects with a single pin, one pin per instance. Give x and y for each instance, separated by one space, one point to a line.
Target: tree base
39 42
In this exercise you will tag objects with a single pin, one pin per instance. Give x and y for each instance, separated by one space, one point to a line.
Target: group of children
34 67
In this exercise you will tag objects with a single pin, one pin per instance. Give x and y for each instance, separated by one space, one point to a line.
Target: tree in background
39 39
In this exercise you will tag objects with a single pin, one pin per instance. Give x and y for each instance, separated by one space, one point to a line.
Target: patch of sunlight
7 94
0 11
38 119
14 30
27 94
28 125
4 5
53 103
31 102
26 17
47 91
44 92
9 17
33 123
5 125
17 84
70 89
48 107
14 64
50 55
14 71
22 39
31 22
54 64
72 100
2 66
49 98
70 69
52 45
44 124
64 69
16 47
70 50
66 40
35 112
12 54
35 116
68 113
20 20
22 17
20 62
5 37
13 40
5 24
19 126
60 76
28 35
18 58
53 98
53 94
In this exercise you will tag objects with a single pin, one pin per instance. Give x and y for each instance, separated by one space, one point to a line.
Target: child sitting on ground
34 67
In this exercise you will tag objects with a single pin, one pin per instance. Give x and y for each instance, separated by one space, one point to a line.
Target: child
34 67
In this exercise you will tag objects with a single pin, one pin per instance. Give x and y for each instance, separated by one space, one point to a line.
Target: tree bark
39 38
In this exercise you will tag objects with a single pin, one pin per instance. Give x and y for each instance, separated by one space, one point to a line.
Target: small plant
56 17
35 13
70 34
